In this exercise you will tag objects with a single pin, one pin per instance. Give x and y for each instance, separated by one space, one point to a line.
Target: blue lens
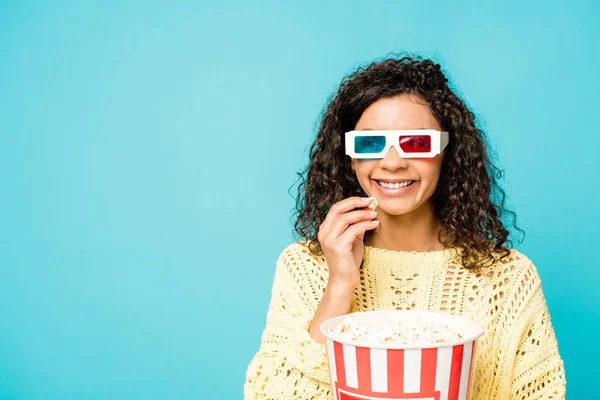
369 144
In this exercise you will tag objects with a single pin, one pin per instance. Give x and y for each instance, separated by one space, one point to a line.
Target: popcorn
373 204
415 332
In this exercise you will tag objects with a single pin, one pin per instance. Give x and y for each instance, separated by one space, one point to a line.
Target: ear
353 164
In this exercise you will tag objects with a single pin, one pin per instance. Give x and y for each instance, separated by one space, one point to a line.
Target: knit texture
517 358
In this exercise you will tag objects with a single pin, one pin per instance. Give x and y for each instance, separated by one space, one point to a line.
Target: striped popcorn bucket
368 372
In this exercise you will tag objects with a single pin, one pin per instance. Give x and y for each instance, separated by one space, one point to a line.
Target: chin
396 211
400 209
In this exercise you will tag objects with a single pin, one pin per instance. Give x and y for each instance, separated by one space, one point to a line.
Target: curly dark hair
468 200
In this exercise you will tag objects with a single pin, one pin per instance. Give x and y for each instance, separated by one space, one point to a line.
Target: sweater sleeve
289 363
538 370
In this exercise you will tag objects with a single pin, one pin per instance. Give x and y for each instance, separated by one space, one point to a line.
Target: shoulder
518 263
300 252
298 260
514 273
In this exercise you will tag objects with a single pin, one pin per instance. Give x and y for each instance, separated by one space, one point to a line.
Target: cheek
363 168
429 168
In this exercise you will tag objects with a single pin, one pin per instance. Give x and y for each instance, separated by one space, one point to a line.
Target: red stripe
428 366
471 370
395 371
457 356
339 364
363 361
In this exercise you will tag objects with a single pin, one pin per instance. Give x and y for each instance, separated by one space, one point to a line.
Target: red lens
415 144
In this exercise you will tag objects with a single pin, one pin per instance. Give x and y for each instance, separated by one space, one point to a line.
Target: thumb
361 236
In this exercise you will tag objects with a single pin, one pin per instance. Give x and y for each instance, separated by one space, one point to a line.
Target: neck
415 231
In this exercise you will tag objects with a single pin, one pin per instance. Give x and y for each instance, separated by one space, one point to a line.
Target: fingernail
375 221
366 199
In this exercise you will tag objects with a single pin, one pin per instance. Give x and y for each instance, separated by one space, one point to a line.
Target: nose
392 161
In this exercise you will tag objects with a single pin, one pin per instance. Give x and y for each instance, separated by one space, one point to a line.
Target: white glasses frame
439 141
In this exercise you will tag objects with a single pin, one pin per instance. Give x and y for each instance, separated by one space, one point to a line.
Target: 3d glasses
418 143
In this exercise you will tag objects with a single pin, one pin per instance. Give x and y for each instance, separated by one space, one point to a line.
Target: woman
396 131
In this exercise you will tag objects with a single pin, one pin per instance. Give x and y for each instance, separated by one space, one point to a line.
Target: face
380 177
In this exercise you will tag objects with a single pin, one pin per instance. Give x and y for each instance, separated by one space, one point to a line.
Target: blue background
147 148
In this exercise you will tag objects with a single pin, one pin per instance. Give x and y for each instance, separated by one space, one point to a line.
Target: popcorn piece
411 332
373 204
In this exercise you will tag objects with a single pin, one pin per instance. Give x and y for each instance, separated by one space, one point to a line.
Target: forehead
402 112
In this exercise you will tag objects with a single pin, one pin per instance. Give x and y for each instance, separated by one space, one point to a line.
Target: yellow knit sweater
517 357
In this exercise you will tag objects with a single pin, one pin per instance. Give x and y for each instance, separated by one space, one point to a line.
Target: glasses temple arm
444 140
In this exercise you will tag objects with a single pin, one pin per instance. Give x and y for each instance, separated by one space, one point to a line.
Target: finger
339 208
350 204
339 226
357 231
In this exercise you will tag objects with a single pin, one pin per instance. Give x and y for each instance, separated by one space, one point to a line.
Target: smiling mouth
395 185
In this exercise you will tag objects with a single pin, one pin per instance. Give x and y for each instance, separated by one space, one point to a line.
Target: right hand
341 237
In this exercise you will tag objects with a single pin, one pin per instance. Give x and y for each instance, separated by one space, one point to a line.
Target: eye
416 144
369 144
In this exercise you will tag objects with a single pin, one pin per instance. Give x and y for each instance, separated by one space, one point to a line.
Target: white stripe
331 355
464 373
360 396
412 371
379 370
442 371
350 366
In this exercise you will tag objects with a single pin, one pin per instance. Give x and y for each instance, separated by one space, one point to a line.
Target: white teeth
394 185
